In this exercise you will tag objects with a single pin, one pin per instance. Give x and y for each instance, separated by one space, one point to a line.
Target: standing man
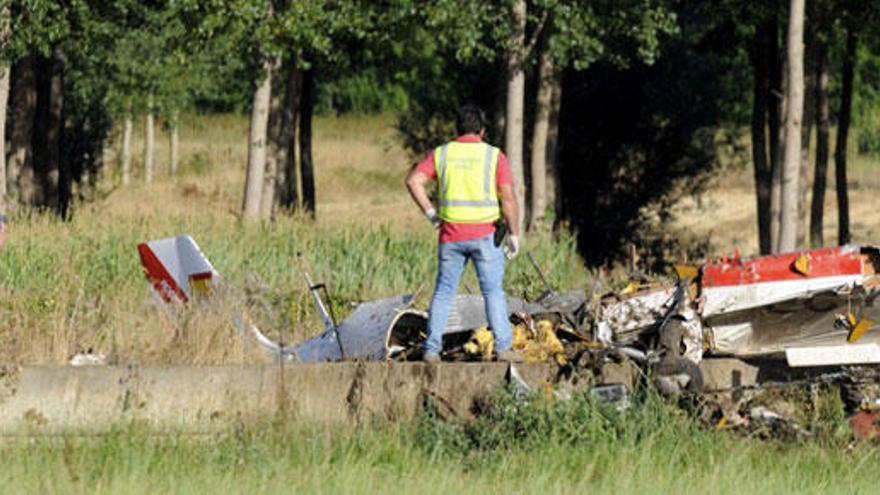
475 189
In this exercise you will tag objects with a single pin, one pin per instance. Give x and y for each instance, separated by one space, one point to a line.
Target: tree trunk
174 131
762 170
274 146
513 140
823 126
307 172
540 133
149 142
774 123
795 106
126 149
56 119
49 171
554 194
500 110
24 106
34 180
256 165
806 128
288 180
5 71
4 99
843 121
65 165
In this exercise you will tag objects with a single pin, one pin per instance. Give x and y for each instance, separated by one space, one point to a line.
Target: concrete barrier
52 399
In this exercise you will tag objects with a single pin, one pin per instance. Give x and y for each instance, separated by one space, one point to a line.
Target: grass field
571 447
731 200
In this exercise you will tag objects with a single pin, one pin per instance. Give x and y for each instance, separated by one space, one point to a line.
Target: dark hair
470 119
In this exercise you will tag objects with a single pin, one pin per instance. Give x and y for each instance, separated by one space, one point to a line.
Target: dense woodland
607 110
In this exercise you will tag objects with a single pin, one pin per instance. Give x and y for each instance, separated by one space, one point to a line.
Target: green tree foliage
453 50
37 26
647 83
866 100
617 32
634 135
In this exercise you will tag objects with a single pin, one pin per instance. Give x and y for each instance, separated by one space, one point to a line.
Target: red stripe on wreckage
826 262
158 275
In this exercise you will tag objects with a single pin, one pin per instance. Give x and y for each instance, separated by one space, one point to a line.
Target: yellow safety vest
466 176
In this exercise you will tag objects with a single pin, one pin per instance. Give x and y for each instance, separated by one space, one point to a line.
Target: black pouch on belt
500 232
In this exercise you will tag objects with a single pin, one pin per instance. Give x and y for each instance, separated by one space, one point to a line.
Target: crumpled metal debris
817 307
758 306
811 306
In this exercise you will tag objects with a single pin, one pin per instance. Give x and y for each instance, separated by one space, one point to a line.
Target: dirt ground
726 213
360 167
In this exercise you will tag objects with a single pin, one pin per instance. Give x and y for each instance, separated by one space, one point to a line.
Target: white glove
432 217
511 247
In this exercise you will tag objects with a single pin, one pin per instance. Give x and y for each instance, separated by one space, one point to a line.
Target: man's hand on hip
431 215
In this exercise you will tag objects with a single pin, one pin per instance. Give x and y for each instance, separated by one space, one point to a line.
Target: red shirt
460 232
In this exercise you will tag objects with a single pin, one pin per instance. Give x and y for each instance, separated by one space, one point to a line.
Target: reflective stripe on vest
466 172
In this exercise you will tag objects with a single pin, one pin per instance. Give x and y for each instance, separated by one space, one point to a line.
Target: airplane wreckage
810 309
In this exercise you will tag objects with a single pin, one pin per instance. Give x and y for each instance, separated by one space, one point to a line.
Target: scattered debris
88 358
865 425
521 389
614 394
723 333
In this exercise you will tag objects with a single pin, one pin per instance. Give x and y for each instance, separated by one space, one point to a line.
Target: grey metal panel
362 334
320 349
365 332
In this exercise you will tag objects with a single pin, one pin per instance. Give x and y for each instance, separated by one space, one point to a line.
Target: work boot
510 356
431 358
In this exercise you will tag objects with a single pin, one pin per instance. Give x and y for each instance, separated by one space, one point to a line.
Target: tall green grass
68 286
569 447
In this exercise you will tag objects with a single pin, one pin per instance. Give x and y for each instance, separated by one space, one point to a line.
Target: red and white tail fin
177 269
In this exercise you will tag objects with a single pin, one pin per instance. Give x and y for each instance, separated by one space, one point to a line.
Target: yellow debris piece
802 265
544 345
200 284
521 337
859 330
482 343
632 288
686 272
546 335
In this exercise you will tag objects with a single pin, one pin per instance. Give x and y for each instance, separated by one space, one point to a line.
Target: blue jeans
489 261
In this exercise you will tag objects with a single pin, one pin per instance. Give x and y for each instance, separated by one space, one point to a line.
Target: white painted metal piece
731 339
833 355
721 300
